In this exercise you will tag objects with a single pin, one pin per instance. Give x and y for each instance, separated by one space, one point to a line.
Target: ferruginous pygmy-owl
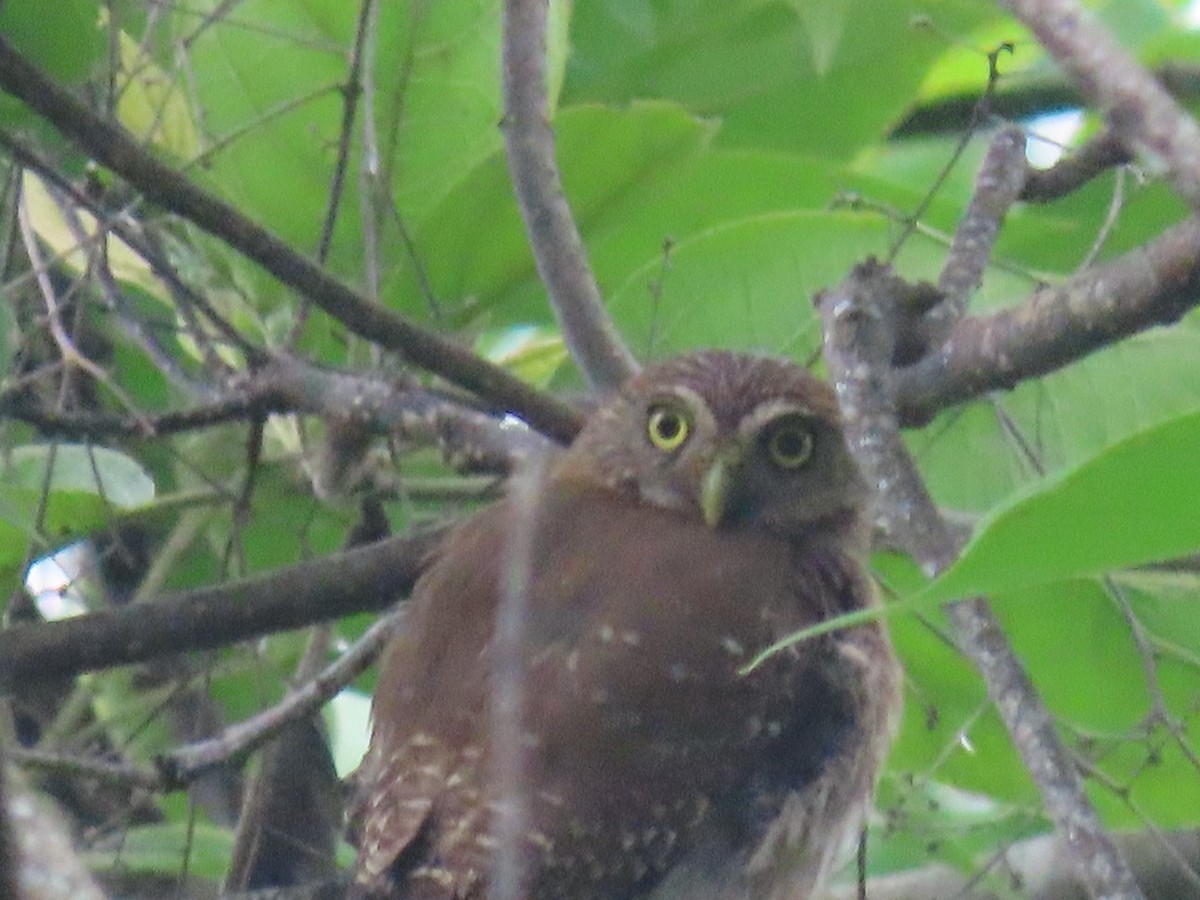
709 509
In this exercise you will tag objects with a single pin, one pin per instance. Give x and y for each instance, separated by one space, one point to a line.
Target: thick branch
46 864
113 147
595 344
366 578
1152 285
858 349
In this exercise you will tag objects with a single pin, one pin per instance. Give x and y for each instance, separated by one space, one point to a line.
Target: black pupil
669 426
790 444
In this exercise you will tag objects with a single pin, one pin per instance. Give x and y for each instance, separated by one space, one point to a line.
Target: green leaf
87 484
825 78
63 37
1134 503
163 847
271 96
744 284
79 468
474 249
532 353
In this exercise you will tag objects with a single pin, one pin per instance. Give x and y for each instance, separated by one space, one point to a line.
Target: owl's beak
717 488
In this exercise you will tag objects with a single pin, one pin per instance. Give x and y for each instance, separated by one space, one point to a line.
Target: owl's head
728 437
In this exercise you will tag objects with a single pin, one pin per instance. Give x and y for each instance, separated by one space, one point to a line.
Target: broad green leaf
825 77
86 486
153 104
1165 602
266 84
532 353
824 24
163 847
1134 503
271 95
474 250
1076 645
64 37
949 731
745 284
80 469
51 227
1061 420
962 67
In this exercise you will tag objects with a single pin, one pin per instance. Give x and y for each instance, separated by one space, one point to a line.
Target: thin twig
111 146
186 763
979 113
351 94
100 771
71 355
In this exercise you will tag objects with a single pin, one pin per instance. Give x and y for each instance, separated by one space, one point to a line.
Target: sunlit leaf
1133 503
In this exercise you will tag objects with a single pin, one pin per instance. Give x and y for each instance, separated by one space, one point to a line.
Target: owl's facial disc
777 435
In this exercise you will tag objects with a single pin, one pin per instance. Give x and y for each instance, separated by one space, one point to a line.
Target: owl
707 510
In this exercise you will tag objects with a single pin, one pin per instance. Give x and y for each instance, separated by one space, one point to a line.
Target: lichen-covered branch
859 346
1152 285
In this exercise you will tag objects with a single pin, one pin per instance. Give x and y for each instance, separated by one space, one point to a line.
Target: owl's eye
668 427
790 444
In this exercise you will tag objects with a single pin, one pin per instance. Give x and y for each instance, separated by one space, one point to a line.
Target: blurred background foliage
725 160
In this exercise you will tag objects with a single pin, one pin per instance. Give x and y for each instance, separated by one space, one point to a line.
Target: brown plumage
709 509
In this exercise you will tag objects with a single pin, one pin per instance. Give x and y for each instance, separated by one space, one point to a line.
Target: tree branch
1101 152
1152 285
595 344
46 864
858 349
1138 108
469 439
186 763
113 147
359 580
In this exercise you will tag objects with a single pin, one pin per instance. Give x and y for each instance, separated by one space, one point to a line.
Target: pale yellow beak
717 486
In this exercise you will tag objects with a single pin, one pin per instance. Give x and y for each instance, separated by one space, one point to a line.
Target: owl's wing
395 796
418 786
